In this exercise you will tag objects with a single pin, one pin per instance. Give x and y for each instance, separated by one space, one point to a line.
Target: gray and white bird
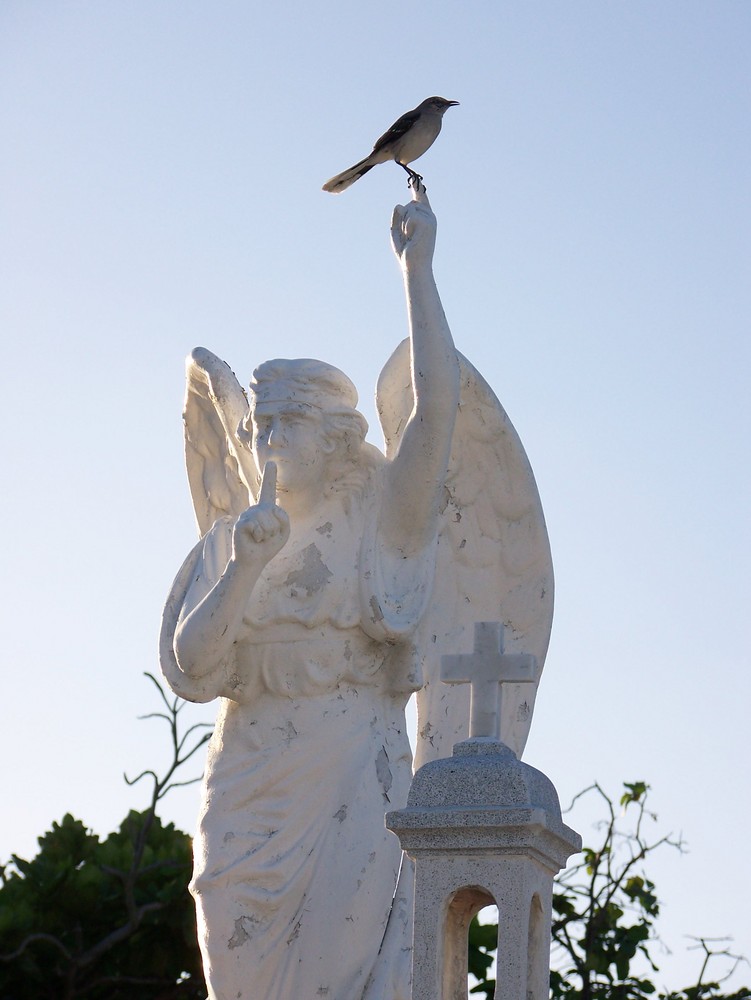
407 139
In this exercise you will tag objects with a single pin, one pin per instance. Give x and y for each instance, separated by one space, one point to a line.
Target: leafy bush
100 918
106 919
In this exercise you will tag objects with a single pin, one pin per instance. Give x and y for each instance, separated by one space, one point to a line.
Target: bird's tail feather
343 180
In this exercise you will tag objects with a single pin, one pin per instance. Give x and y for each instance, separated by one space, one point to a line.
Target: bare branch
118 935
160 689
32 939
143 774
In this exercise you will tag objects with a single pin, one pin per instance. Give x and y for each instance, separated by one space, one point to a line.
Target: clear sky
160 188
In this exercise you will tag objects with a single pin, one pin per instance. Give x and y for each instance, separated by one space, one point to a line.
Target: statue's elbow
191 657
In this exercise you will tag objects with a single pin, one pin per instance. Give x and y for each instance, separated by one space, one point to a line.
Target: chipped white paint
320 596
482 827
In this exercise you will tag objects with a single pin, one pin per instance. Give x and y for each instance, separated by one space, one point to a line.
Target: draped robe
294 870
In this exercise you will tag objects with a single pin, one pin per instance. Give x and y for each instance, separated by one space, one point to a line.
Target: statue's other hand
262 530
413 229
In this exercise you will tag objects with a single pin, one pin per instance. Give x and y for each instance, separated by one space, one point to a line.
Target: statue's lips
288 469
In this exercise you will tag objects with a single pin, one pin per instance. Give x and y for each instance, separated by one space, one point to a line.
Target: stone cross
485 670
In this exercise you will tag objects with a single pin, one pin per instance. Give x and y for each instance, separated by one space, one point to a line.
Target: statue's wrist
243 564
418 273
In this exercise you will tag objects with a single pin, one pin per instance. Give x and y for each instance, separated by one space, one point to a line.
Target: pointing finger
268 484
420 195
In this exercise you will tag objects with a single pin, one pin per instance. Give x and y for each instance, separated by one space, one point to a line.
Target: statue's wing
494 560
222 472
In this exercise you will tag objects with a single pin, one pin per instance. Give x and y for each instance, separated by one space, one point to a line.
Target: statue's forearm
435 374
204 639
418 471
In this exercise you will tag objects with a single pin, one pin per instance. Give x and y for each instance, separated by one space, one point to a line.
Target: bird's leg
413 175
414 180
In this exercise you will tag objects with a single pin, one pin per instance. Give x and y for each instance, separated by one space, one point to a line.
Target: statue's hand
262 530
413 229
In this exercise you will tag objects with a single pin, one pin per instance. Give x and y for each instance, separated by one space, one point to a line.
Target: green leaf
634 792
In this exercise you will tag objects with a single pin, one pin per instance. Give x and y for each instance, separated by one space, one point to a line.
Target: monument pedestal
482 827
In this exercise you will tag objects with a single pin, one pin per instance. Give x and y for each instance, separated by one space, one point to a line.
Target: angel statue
328 580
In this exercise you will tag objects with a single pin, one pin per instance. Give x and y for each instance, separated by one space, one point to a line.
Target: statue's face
292 435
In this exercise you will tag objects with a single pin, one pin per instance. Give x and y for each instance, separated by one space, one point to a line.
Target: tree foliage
105 919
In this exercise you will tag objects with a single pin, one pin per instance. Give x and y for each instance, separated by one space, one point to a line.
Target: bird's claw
415 181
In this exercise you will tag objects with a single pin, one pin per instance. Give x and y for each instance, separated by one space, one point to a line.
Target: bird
407 139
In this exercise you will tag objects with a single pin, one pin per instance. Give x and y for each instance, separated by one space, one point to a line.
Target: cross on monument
485 670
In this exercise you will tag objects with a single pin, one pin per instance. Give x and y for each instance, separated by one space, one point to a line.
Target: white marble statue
328 580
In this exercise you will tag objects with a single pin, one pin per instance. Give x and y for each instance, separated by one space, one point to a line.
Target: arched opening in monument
462 906
538 951
485 940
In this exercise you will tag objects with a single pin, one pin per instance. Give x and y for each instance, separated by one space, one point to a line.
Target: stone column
482 827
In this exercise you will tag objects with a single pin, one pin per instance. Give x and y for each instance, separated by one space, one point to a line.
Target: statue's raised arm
417 470
493 559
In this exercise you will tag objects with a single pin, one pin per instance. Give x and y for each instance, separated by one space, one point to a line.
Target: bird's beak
451 103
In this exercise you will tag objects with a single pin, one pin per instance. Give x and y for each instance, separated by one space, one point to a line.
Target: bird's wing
222 472
494 560
397 130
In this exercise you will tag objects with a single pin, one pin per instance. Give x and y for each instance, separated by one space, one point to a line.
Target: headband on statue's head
303 381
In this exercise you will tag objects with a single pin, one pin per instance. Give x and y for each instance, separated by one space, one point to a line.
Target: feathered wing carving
222 472
494 560
223 480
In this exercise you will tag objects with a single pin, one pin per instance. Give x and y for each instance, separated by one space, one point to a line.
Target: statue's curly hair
332 394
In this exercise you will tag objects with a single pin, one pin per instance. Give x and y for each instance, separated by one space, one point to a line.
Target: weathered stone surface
327 583
482 827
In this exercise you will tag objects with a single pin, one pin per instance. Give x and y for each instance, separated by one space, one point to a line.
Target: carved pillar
482 827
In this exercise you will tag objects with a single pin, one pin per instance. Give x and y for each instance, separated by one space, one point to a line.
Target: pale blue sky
160 188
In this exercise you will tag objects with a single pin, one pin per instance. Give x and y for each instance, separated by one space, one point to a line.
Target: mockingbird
409 137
